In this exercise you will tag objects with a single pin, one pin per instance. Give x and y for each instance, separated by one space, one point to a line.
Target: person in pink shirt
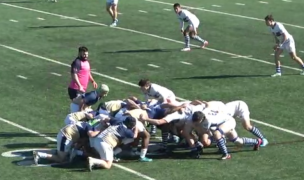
80 74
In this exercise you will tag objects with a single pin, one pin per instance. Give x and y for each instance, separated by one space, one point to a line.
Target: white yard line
121 68
22 77
153 65
142 11
263 2
13 20
218 60
41 19
214 5
54 140
148 34
187 63
240 4
224 13
56 74
135 85
93 15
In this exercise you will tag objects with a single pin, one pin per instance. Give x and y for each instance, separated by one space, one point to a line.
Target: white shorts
74 107
238 109
289 46
176 116
104 149
63 144
194 24
140 126
69 120
112 2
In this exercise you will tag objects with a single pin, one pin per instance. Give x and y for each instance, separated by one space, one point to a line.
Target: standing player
112 9
191 29
155 91
80 73
285 43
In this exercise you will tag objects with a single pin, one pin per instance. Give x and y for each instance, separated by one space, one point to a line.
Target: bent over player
191 29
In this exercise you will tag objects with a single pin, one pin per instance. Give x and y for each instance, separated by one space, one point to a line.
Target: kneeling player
104 142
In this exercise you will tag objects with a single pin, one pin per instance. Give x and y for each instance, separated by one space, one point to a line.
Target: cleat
116 159
257 146
264 142
276 75
90 164
145 159
36 157
114 24
204 44
72 154
195 154
225 156
185 49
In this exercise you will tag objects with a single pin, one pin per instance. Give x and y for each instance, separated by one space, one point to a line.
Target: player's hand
95 85
81 89
275 47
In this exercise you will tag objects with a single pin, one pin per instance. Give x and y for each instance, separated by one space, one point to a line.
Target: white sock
79 153
117 151
42 154
97 161
143 153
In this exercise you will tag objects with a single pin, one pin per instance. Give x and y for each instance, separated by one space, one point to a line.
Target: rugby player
286 42
191 30
111 7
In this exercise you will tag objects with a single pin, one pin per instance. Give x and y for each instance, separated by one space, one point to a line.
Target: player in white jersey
155 91
221 124
191 30
239 109
66 137
112 9
286 42
104 142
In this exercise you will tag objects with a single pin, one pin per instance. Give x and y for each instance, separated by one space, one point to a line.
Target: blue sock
222 146
187 41
250 141
255 131
278 69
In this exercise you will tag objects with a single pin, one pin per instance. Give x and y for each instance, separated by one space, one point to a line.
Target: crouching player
66 137
239 109
104 142
221 125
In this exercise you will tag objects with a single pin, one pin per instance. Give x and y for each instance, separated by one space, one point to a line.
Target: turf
40 102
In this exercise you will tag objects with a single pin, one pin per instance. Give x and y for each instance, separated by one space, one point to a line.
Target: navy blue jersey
90 98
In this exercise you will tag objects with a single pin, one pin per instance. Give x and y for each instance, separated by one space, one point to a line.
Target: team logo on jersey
24 157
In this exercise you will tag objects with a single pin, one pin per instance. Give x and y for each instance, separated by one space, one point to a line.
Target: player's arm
152 121
93 81
198 102
92 133
277 41
181 25
135 132
75 67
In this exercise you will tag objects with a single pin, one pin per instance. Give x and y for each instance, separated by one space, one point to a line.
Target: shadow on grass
142 51
65 26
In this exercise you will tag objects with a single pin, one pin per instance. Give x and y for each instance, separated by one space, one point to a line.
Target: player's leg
194 34
291 48
106 156
144 146
187 39
233 137
115 12
109 8
277 54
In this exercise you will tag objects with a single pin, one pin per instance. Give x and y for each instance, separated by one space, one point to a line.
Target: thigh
63 144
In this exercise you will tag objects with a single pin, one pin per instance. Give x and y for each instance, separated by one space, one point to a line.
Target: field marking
224 13
301 51
187 63
214 5
235 57
142 11
287 0
54 140
150 35
56 74
167 9
41 19
119 13
121 68
240 4
135 85
22 77
263 2
13 20
153 65
281 55
93 15
218 60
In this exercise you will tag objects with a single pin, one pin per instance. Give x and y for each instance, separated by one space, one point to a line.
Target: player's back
279 29
186 16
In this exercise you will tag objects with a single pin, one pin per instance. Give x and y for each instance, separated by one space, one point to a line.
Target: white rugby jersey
186 16
213 118
278 30
158 92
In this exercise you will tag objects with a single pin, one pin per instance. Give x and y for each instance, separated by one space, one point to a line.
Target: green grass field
239 42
